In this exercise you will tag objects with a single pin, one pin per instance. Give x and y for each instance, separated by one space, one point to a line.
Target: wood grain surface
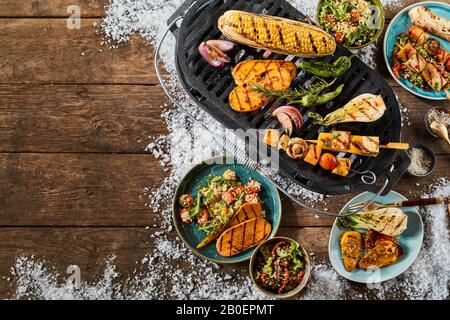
75 117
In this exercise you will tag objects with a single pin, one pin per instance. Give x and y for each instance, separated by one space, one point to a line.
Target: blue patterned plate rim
248 253
388 273
431 95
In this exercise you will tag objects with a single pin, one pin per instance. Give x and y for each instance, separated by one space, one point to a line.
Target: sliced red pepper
396 69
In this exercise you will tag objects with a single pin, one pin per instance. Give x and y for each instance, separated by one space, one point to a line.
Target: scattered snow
186 143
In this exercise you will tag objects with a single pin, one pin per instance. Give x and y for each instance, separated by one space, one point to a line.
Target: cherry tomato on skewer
328 161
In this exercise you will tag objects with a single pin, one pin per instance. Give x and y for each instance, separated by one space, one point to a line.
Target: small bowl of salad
353 23
280 267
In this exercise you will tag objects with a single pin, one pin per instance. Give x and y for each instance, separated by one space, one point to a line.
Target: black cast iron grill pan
209 87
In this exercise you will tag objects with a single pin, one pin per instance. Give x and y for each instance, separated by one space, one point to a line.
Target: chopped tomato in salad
218 200
350 21
280 267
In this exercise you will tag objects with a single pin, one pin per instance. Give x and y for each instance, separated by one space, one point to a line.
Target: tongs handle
417 202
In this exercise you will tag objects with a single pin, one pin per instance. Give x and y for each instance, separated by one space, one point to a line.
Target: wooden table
75 118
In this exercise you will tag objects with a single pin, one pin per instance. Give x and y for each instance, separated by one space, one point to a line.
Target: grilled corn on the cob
276 34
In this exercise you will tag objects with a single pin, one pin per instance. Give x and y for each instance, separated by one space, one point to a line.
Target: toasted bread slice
273 74
351 245
246 212
243 236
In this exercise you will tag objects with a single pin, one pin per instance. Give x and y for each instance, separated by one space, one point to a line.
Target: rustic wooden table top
75 118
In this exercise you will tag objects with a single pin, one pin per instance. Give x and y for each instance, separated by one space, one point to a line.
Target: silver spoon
440 130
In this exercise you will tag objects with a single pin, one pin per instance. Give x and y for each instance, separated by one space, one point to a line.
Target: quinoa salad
348 21
218 200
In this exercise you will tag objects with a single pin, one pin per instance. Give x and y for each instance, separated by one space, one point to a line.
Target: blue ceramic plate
410 241
190 234
400 24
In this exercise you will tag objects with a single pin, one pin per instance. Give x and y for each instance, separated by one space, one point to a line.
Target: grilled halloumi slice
244 99
273 74
340 140
243 236
351 246
364 145
246 212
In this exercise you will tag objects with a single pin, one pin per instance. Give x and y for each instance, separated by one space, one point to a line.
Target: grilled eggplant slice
243 236
244 99
384 253
246 212
351 246
274 74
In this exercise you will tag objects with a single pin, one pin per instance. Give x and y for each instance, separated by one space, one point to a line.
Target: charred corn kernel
276 34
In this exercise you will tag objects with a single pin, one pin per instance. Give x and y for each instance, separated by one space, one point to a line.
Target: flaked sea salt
161 276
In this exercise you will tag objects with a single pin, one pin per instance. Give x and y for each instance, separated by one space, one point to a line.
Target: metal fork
408 203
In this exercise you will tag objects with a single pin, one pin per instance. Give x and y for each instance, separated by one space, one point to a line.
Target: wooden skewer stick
390 145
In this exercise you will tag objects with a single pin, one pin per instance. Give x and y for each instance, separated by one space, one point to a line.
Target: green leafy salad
280 267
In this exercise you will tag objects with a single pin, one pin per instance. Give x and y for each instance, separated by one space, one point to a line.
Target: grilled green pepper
312 99
327 70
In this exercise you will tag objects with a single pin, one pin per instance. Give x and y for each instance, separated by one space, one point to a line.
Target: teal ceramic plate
195 177
400 24
410 241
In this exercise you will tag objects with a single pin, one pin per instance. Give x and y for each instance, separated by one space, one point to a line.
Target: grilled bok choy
388 221
366 107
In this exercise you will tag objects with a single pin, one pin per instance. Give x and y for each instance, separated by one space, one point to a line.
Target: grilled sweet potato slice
244 99
384 253
351 245
243 236
273 74
246 212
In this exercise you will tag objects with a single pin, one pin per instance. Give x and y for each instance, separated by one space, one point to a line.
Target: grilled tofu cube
364 145
324 140
343 167
272 137
340 140
313 155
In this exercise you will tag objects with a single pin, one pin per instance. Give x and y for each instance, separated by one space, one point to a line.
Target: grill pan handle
400 165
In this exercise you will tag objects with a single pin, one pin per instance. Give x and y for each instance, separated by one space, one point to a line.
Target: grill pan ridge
209 87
